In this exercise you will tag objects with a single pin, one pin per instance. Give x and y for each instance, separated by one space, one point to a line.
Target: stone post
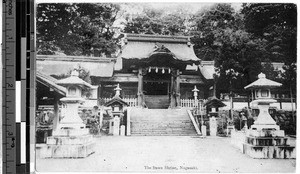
111 126
56 114
178 88
140 88
116 127
213 126
172 102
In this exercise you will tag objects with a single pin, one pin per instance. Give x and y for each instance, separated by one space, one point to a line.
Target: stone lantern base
69 143
267 144
267 141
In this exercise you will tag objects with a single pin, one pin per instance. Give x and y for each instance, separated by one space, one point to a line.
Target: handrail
194 122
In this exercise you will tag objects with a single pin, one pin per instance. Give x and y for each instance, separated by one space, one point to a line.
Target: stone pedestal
269 147
116 128
68 147
265 139
71 139
203 130
122 130
213 126
111 127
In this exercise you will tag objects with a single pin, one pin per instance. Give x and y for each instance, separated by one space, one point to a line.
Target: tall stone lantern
262 91
265 139
73 99
71 139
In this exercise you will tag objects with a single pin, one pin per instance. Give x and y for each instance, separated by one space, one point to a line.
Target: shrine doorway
156 88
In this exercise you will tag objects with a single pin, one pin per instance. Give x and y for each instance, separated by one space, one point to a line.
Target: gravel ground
167 154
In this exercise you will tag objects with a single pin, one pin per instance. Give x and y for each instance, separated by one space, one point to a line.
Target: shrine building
158 71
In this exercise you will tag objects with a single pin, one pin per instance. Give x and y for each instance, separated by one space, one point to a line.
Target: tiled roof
50 82
143 46
116 99
73 80
57 65
261 82
214 102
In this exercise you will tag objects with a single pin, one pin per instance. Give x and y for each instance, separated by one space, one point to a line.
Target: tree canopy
75 29
242 43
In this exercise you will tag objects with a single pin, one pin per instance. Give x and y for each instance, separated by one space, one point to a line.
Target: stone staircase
165 122
157 101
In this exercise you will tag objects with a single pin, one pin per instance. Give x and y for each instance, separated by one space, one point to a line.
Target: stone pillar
111 126
203 130
140 88
213 126
116 127
122 130
177 88
56 113
172 92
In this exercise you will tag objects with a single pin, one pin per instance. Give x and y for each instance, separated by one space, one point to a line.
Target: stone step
164 134
161 127
159 123
161 132
149 122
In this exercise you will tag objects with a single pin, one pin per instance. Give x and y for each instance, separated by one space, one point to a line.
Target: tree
159 21
208 27
277 24
75 29
219 35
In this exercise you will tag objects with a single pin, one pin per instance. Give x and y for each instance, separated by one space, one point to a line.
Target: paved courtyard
166 154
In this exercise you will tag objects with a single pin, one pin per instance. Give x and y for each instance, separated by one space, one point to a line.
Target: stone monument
71 139
264 139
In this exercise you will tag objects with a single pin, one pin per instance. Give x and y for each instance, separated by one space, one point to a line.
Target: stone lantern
73 99
195 90
265 139
117 105
71 139
213 103
262 90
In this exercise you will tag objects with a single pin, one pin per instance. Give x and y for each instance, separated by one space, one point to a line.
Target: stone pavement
167 154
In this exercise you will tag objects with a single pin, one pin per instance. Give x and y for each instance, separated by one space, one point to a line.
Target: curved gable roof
142 46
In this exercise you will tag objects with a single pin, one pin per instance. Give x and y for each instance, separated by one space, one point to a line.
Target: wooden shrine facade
149 69
155 68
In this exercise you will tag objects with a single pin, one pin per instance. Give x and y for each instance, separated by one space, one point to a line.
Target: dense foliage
75 29
242 43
